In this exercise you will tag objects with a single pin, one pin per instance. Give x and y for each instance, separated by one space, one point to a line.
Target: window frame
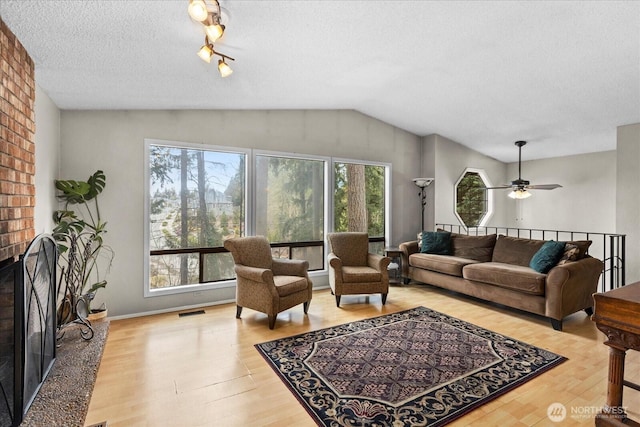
489 198
193 287
250 200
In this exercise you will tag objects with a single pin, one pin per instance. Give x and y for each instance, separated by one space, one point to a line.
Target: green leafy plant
79 232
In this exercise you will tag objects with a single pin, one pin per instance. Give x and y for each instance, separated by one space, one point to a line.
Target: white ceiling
561 75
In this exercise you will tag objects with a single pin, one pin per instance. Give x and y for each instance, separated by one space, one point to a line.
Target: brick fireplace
17 146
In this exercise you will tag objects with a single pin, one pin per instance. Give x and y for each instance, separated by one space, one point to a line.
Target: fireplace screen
27 327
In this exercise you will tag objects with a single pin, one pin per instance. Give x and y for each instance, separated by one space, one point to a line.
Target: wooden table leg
613 412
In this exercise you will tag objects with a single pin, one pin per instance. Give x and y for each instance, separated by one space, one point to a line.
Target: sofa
498 268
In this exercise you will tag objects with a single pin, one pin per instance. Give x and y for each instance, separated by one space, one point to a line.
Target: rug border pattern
379 412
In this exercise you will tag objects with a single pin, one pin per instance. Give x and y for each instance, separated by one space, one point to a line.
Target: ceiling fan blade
543 186
500 187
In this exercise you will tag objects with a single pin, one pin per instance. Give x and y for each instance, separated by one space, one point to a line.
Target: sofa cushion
445 264
436 242
547 256
479 248
287 285
514 250
516 277
360 274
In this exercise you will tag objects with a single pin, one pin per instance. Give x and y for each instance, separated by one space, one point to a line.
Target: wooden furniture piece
353 269
396 257
617 314
266 284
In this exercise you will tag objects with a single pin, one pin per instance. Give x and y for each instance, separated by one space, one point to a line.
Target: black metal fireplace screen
27 327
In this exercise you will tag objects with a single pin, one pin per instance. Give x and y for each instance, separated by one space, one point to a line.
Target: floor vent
190 313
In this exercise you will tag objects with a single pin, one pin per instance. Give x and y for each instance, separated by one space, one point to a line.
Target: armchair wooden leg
589 311
238 311
337 300
306 306
557 324
384 299
272 321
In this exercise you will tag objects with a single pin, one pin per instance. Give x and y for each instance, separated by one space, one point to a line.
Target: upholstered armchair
266 284
353 270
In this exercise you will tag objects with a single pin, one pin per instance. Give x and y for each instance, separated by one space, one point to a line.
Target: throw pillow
436 242
547 256
583 247
571 254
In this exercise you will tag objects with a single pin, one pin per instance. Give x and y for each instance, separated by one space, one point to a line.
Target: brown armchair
266 284
353 270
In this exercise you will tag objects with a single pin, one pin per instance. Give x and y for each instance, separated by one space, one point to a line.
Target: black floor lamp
422 183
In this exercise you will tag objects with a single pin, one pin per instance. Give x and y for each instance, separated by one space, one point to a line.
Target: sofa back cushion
478 248
514 250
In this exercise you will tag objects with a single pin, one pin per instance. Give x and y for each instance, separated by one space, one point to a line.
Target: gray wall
586 201
628 195
447 160
47 117
114 142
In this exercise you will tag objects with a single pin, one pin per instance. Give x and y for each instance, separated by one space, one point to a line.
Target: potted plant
84 258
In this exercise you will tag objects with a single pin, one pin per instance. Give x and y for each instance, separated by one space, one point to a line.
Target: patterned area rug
413 368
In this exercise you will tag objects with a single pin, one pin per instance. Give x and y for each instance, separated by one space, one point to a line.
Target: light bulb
214 31
224 68
519 194
205 53
198 10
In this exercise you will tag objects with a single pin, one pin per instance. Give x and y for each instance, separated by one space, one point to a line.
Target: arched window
473 204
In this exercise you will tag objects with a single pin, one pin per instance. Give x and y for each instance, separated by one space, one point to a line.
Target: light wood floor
203 370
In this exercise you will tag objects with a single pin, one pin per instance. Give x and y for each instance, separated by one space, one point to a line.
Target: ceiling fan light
205 53
214 31
224 68
520 194
198 10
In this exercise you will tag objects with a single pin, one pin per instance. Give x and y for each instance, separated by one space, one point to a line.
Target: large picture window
359 200
198 196
290 206
196 200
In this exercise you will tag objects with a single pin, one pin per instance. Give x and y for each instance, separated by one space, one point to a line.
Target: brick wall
17 146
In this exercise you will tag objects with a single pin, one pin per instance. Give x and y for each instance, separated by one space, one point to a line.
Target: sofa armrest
262 275
290 267
407 248
569 287
379 262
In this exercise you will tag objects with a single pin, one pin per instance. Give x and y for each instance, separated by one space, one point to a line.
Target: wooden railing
608 247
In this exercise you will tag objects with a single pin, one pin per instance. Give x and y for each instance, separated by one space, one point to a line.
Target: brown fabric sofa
496 268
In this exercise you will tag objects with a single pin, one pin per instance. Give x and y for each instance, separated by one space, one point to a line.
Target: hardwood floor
203 370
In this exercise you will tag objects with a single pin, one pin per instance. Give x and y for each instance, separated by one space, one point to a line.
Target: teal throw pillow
436 242
547 256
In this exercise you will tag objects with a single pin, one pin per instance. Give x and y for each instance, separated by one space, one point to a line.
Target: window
472 198
359 200
196 200
290 206
198 196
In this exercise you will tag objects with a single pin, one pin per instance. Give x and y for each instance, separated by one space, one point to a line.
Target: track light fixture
210 16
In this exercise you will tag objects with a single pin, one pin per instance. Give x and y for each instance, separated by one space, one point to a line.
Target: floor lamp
422 183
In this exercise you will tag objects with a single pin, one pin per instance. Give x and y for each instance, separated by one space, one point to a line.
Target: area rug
413 368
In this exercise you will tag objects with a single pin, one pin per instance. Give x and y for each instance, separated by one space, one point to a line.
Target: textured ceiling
562 75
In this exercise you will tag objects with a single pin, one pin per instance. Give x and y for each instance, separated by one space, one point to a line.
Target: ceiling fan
520 186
